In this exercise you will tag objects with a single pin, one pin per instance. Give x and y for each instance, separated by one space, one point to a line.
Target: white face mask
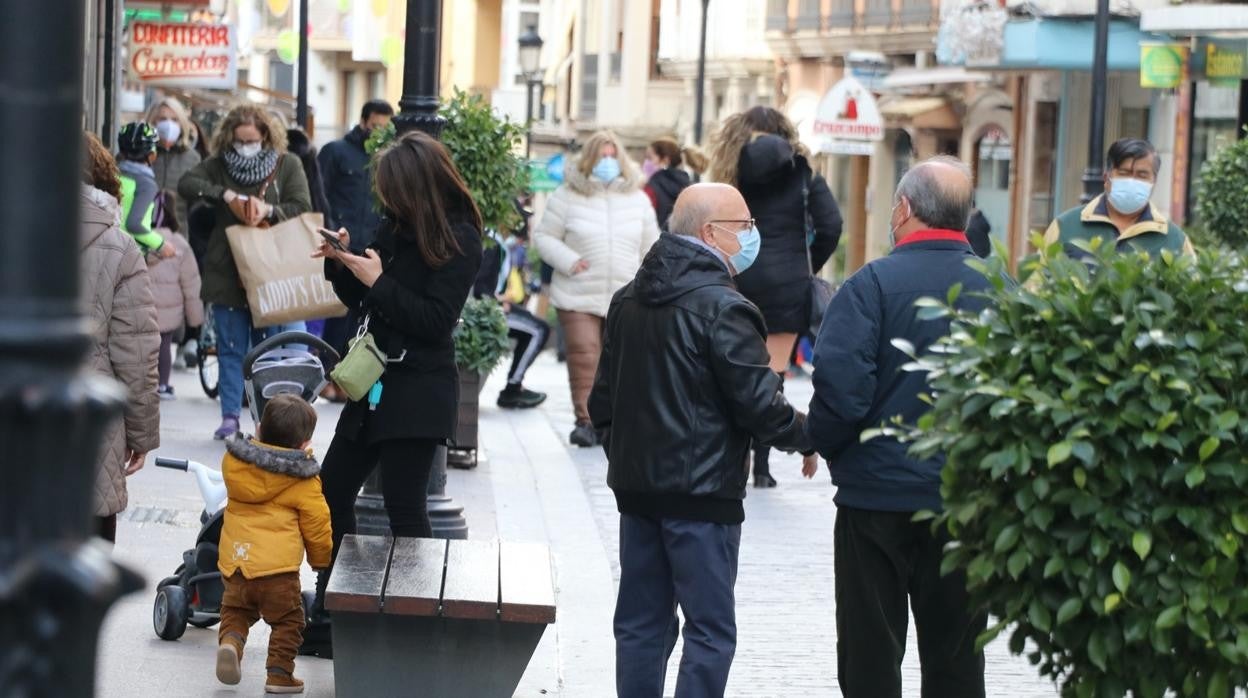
248 150
168 130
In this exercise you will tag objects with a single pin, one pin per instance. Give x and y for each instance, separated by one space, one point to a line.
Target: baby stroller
193 594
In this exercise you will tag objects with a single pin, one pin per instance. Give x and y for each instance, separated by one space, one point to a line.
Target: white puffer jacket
609 226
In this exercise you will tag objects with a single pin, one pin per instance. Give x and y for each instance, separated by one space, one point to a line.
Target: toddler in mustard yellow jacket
275 511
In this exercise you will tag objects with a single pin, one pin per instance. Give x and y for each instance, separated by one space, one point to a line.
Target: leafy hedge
1222 195
1096 477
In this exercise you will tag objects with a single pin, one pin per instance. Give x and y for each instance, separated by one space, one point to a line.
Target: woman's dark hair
667 149
99 169
1131 149
422 190
297 144
201 141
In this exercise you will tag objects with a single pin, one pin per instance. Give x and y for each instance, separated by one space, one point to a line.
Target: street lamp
55 585
418 110
530 55
1094 175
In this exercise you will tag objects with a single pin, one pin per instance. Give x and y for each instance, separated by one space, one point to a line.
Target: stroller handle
283 338
174 463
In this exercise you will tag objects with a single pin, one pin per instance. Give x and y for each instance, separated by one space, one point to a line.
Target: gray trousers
665 562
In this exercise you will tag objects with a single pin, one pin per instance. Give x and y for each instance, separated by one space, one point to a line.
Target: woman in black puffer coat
759 153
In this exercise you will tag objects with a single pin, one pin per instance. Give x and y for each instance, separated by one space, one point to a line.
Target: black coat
771 177
345 175
414 309
684 386
664 186
859 381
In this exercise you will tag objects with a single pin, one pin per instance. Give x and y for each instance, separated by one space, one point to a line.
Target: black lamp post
530 55
418 110
301 101
55 585
1094 175
700 83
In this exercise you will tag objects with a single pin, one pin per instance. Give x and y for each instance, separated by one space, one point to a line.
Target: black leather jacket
684 386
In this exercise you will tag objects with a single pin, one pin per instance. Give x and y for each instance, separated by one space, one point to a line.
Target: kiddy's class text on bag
283 282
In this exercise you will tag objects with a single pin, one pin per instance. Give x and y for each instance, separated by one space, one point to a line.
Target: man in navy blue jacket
882 559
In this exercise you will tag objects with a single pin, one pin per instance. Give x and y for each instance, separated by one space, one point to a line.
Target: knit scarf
249 171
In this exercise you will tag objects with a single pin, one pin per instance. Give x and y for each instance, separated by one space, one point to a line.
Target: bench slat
416 570
526 588
471 589
359 574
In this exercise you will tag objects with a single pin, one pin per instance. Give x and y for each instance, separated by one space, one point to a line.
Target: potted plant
1095 426
480 343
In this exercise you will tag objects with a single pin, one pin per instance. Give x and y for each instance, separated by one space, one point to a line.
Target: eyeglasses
743 224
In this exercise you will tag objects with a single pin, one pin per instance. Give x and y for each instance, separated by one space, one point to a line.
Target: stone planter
464 451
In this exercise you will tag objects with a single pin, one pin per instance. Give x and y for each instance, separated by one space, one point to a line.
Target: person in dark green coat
1123 216
248 180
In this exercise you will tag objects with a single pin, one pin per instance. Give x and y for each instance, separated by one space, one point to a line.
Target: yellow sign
1223 64
1161 65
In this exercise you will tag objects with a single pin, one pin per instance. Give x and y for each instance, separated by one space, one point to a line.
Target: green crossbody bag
363 365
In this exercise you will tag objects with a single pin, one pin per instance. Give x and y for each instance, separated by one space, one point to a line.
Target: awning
920 112
1197 20
904 78
1062 43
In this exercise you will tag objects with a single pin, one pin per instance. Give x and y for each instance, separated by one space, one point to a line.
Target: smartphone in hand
332 238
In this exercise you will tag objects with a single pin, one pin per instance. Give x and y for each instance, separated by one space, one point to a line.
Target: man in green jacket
1123 215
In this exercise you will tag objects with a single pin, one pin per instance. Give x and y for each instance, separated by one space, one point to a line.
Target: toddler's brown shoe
228 671
281 682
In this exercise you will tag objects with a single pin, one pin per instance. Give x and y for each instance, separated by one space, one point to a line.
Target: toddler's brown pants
278 600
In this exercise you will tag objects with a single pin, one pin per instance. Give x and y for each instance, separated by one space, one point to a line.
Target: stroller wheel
203 620
170 612
208 380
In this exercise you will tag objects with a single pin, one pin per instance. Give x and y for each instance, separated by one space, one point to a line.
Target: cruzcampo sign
1161 64
848 122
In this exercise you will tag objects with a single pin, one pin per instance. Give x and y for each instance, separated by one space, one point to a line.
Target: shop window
993 154
903 154
1133 123
1044 166
1213 128
281 75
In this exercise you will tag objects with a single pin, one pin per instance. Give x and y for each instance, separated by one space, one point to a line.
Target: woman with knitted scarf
248 180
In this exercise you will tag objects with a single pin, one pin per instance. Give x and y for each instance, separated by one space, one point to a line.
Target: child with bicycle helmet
136 153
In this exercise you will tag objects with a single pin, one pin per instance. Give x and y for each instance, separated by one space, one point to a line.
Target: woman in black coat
759 153
412 283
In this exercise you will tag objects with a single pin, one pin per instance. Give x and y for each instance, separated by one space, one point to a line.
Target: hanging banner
184 55
1161 65
848 121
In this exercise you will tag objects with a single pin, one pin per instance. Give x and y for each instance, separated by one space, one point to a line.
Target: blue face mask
1129 195
751 242
607 169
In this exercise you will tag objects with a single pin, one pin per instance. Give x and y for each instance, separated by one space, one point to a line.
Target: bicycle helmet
137 140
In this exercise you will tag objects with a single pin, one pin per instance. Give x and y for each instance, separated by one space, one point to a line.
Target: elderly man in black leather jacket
684 387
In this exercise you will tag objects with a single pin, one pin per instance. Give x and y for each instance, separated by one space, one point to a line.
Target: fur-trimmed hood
281 461
588 186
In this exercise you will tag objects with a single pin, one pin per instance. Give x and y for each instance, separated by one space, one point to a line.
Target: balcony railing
842 16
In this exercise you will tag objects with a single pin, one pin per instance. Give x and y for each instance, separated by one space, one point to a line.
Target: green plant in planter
481 336
484 149
1095 428
1221 203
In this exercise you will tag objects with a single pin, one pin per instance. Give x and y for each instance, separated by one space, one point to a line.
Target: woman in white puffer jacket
595 231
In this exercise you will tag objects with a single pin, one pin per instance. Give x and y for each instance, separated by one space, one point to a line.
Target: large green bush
1096 478
484 147
1222 195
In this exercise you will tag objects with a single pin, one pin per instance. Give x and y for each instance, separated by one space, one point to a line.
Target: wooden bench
426 617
